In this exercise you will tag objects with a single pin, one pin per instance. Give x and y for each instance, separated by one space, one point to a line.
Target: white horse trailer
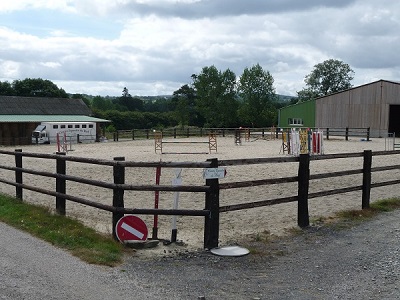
82 132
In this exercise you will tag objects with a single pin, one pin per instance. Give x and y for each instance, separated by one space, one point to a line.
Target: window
69 126
295 121
55 126
62 126
90 126
76 125
83 125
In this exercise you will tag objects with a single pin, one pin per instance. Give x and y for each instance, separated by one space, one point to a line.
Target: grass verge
355 216
66 233
263 243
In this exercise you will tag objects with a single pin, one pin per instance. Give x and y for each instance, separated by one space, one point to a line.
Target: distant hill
285 98
281 98
151 98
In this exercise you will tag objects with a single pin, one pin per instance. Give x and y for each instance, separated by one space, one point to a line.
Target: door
394 119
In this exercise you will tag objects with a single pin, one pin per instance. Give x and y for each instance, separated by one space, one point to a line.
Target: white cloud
9 69
13 5
162 43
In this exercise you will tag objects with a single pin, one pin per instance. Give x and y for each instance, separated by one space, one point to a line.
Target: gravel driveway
358 263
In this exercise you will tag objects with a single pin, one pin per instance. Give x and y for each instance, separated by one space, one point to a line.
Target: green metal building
375 105
297 115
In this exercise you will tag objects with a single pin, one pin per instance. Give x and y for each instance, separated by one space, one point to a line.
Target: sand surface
276 219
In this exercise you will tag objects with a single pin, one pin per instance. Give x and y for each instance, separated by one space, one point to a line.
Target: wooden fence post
366 186
118 194
327 133
211 223
18 174
60 184
133 134
174 133
347 133
303 184
368 133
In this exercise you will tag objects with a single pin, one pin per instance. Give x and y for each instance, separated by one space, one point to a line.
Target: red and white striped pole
156 200
58 142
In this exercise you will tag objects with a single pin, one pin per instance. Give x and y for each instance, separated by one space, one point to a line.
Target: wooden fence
254 133
249 133
212 187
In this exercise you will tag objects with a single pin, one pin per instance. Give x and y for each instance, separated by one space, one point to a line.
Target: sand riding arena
234 225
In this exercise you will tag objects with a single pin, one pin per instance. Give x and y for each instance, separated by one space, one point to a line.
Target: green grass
95 248
263 243
66 233
386 205
375 208
348 218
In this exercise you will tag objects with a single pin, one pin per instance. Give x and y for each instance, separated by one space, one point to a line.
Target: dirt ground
276 220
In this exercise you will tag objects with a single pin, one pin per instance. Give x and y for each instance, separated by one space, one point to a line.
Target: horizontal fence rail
248 132
211 189
118 186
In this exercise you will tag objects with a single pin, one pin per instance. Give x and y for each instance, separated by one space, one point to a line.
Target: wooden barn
375 105
19 116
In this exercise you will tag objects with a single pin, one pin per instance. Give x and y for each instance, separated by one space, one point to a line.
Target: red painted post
156 200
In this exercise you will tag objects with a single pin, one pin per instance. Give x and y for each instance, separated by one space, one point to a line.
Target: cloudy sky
152 47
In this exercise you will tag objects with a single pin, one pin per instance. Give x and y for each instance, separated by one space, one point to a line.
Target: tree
157 104
37 87
257 92
216 92
127 102
125 93
6 89
228 105
100 103
183 103
330 76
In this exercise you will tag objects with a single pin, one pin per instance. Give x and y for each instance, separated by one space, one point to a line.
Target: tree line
214 98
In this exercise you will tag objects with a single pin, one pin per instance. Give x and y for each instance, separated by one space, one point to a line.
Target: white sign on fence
214 173
178 177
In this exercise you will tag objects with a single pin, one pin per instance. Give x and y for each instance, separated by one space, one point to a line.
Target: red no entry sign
130 227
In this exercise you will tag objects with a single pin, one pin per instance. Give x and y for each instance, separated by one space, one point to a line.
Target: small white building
20 116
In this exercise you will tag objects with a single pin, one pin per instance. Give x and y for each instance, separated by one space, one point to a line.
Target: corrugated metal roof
13 105
47 118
